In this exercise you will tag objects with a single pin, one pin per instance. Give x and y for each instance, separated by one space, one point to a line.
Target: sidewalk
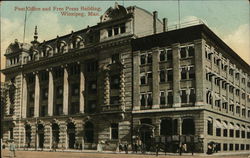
139 153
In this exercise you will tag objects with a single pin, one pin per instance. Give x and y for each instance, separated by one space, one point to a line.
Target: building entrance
71 135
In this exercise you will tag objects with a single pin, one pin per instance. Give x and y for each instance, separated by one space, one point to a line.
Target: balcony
111 108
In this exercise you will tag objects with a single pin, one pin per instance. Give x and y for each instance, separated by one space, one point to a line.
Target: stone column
65 91
179 129
82 88
63 136
136 80
106 89
199 47
155 74
176 75
37 95
24 104
122 90
50 93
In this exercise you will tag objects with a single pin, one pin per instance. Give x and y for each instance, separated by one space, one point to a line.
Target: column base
177 105
156 106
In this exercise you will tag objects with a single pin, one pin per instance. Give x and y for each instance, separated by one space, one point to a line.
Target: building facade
128 79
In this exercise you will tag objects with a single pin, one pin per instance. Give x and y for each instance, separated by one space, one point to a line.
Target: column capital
136 53
49 69
175 45
35 72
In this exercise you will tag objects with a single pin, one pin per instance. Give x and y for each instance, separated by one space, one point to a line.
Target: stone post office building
128 79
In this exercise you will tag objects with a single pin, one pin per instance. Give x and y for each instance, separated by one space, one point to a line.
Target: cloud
239 41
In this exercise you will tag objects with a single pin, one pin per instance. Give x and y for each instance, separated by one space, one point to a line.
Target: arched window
28 135
166 127
71 130
209 98
210 126
89 132
188 126
55 133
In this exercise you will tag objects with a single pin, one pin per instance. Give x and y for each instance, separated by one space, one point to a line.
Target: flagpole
24 28
179 12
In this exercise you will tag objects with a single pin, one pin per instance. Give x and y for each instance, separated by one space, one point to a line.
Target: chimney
155 16
165 24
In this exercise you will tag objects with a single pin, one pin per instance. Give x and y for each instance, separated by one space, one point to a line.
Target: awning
231 126
224 124
237 127
218 124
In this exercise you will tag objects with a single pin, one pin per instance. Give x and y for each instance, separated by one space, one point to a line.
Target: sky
228 19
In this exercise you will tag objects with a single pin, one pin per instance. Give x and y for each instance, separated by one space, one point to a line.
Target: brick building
128 79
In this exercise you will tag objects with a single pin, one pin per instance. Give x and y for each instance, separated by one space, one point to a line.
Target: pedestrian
12 148
126 148
157 149
136 148
184 147
120 147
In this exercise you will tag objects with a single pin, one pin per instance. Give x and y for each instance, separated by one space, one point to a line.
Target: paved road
36 154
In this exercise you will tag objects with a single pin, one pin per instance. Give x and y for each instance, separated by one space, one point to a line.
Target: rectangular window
218 132
169 54
114 100
143 78
114 131
59 92
183 96
183 52
143 99
192 97
45 93
149 58
110 32
92 87
149 99
242 147
231 133
43 111
143 59
210 127
58 110
116 30
92 66
123 28
31 111
74 108
162 55
170 75
115 58
237 133
162 98
183 73
162 76
243 134
231 147
75 89
31 96
236 146
190 51
170 98
191 73
149 77
225 132
115 82
225 147
91 107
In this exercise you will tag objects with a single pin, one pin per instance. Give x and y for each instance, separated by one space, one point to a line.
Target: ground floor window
114 131
188 126
225 147
236 146
89 132
242 147
231 147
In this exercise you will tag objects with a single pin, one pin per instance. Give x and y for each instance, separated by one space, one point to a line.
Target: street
39 154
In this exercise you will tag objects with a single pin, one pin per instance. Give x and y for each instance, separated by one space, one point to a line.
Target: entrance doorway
146 135
28 135
55 135
71 135
40 136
